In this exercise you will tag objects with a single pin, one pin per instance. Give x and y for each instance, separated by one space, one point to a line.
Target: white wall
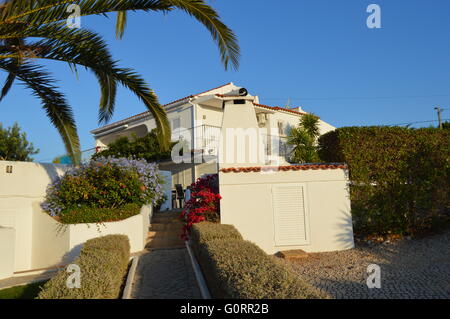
291 120
50 241
39 240
248 204
136 228
55 243
19 191
283 210
7 239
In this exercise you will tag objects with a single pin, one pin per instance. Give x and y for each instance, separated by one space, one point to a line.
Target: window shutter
290 214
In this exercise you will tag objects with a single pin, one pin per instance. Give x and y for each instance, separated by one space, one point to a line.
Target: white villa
199 119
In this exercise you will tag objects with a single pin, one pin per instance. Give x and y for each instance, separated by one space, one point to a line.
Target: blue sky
319 54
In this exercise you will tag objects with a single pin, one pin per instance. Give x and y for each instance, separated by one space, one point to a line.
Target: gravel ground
410 269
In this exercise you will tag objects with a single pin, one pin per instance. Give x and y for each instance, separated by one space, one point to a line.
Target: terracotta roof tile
277 108
224 95
299 167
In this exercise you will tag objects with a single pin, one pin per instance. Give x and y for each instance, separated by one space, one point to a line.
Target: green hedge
206 231
239 269
103 263
86 214
400 176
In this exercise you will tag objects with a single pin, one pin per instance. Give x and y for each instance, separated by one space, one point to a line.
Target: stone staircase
165 231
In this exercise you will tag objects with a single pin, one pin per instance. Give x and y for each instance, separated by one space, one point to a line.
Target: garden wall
21 190
298 207
40 241
55 243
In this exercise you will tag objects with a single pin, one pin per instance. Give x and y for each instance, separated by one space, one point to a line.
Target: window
176 126
176 123
280 128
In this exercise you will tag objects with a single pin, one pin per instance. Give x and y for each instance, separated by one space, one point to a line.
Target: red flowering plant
203 205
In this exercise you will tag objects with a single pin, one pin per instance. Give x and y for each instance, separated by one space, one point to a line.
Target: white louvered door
290 214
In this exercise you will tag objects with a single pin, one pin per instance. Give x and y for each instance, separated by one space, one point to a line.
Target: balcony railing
205 138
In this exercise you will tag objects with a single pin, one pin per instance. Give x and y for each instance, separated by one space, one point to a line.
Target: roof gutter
113 130
100 131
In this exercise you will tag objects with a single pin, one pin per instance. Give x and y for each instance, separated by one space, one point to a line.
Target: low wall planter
135 227
55 243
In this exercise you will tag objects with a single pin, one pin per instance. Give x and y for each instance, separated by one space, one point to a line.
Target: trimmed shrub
206 231
400 176
104 183
103 262
87 215
239 269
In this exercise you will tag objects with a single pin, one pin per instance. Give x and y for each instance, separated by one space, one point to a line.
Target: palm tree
36 29
303 138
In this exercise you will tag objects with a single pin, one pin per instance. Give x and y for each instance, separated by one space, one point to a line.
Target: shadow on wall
345 235
52 172
345 222
71 255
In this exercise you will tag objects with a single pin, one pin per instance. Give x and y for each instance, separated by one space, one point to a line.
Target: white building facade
198 120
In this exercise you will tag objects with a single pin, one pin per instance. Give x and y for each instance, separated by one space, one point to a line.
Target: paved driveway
409 269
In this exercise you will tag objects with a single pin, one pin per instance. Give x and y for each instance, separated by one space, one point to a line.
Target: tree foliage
146 147
446 125
303 138
400 177
14 145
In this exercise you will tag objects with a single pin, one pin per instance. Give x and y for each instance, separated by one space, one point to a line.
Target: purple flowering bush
104 183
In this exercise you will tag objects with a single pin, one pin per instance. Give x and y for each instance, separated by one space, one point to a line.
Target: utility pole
439 112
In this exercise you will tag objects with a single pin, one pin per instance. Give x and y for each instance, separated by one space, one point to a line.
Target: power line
417 122
360 98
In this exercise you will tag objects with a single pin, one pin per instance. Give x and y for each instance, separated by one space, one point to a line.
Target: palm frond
44 22
139 87
121 24
310 123
97 59
38 12
12 42
78 46
44 12
8 84
53 102
225 38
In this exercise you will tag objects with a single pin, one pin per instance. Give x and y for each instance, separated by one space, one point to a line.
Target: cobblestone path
164 271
